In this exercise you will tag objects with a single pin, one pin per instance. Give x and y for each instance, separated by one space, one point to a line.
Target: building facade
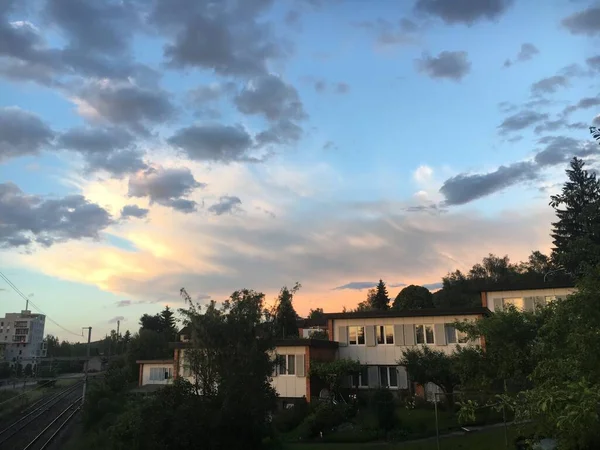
22 335
526 299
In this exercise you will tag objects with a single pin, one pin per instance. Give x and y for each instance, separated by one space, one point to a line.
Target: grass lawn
487 440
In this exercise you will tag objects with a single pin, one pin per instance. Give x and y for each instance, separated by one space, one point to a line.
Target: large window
160 373
454 336
385 334
361 379
388 376
356 335
424 334
286 365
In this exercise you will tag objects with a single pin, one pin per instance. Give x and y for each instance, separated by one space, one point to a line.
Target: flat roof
300 342
155 361
528 285
429 312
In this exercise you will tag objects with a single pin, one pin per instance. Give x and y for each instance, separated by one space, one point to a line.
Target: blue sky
146 146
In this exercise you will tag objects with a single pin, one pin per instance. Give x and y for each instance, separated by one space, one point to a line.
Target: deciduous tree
413 297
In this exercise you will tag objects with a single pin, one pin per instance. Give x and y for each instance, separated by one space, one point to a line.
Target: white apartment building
22 336
525 298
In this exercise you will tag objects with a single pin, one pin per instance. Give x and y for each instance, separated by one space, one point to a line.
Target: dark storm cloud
127 104
226 204
464 188
219 143
521 120
166 187
28 219
463 11
269 96
549 85
527 52
110 149
225 36
452 65
585 22
134 211
22 133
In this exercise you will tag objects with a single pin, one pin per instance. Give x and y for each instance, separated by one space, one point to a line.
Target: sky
150 145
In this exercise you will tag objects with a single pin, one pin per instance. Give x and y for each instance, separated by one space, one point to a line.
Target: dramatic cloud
226 204
269 96
167 187
464 188
26 219
116 319
584 103
110 149
125 104
226 37
21 133
93 26
549 85
520 121
594 63
463 11
527 52
357 285
560 149
452 65
134 211
218 143
585 22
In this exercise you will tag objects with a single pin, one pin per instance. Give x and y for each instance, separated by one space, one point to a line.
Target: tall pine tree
285 321
576 234
381 300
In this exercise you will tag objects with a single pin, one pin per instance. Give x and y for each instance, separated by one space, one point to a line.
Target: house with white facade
526 297
155 371
22 336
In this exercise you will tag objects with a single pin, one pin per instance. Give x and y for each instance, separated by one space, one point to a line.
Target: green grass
487 440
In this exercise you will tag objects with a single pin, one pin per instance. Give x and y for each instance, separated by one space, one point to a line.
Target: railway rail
39 425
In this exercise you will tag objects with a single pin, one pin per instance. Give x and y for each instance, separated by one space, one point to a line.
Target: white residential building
526 299
23 337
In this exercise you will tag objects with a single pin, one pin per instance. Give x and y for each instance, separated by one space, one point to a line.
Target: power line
27 299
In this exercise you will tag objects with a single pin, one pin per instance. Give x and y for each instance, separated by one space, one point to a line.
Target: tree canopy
285 316
576 233
413 297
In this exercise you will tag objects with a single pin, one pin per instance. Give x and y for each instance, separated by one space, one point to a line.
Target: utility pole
87 363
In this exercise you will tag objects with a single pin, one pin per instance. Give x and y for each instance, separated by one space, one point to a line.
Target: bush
397 435
385 409
325 418
288 419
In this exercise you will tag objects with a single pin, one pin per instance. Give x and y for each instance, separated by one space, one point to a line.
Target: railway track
41 423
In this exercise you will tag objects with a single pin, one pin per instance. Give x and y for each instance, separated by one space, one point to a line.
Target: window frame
356 328
283 361
382 336
424 326
388 370
460 337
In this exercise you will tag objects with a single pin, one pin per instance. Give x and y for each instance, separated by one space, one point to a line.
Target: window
286 365
291 366
385 334
361 379
424 334
388 376
356 335
160 373
454 336
517 302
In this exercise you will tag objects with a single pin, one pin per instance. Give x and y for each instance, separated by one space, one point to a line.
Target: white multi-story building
22 335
